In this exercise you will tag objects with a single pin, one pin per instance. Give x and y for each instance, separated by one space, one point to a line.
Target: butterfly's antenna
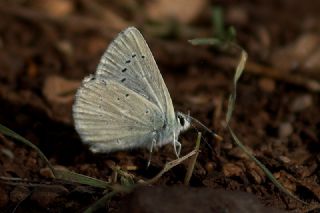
189 118
201 136
216 136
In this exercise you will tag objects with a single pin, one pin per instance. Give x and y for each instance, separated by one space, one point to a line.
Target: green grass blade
263 167
100 203
8 132
206 41
65 175
231 104
218 22
82 179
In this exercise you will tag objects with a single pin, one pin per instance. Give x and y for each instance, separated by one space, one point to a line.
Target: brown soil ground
48 47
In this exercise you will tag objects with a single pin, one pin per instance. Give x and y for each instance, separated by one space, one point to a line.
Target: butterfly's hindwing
107 112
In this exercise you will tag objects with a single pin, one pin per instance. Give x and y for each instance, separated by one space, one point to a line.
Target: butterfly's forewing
129 61
110 116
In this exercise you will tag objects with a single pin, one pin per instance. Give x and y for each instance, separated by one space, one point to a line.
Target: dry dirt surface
47 48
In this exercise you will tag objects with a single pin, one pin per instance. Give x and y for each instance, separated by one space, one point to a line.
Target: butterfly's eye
181 120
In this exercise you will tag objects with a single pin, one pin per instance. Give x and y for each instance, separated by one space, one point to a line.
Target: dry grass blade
233 95
120 188
169 166
193 161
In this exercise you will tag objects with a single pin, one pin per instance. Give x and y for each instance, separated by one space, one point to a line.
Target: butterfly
126 104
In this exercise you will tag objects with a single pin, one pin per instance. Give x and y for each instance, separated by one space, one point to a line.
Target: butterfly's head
183 121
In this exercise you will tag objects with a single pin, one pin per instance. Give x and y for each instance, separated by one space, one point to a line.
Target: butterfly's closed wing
129 61
112 117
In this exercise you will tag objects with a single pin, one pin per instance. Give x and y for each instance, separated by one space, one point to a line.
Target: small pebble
8 153
253 170
130 167
238 153
226 145
31 163
301 103
230 169
199 170
65 47
46 172
267 85
285 130
209 167
257 178
313 61
237 15
284 159
294 54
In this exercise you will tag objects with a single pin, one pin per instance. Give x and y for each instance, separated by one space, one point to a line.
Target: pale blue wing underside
129 61
110 116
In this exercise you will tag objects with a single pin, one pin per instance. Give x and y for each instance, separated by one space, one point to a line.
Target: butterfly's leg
176 146
153 144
